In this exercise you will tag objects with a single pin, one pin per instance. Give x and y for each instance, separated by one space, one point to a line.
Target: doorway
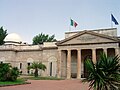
86 54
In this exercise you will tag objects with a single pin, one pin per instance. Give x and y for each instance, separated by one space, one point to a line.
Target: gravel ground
50 85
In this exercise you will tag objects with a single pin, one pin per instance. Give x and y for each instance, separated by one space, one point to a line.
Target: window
20 65
50 68
28 70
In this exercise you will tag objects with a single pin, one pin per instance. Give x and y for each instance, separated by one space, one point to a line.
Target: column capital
105 48
59 50
68 49
94 48
105 51
78 49
116 48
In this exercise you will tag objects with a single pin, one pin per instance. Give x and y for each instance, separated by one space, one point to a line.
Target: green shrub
14 72
4 71
8 73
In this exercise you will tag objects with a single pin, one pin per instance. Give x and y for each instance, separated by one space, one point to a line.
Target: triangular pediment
88 37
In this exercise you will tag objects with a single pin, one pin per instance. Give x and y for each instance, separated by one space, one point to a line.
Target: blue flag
114 20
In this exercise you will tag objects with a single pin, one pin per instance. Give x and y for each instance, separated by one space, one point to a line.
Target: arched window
52 66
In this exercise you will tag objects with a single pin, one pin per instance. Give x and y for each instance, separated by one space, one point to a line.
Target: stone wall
50 55
20 55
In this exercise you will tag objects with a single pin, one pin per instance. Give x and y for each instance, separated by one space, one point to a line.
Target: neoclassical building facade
64 58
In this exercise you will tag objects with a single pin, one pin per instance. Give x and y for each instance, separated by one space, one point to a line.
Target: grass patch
10 83
42 78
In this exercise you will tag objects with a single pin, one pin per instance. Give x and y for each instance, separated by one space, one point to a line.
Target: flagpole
70 25
111 21
111 24
69 28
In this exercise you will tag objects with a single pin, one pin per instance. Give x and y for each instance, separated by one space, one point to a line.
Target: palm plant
36 66
104 74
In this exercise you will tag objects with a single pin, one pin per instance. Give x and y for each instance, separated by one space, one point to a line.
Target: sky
29 18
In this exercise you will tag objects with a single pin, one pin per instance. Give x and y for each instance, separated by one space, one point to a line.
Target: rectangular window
20 65
50 68
28 70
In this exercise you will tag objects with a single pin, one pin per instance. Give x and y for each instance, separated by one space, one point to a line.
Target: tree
8 73
36 66
40 38
3 34
104 74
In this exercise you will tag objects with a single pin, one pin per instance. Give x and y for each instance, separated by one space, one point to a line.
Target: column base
78 77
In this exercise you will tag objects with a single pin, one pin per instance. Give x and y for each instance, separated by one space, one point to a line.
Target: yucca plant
36 66
104 74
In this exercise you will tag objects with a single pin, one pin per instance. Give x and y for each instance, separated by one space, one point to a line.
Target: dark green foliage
14 72
40 38
8 73
105 74
3 34
4 71
36 66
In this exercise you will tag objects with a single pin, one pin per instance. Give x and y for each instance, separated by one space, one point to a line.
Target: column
59 64
78 64
105 51
117 51
69 64
94 55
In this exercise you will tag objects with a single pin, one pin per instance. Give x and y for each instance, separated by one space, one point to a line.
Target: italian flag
73 23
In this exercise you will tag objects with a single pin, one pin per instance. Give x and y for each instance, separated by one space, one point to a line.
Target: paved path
50 85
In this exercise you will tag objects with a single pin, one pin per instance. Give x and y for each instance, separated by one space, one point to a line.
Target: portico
72 54
72 65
